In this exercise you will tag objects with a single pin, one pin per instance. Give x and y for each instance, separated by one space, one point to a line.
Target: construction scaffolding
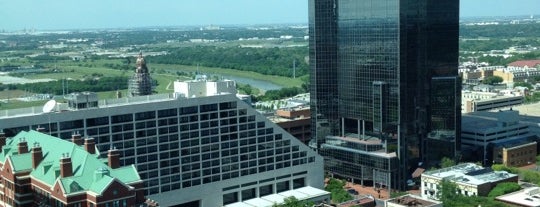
140 84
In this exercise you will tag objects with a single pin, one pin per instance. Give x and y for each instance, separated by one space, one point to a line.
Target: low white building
471 180
201 87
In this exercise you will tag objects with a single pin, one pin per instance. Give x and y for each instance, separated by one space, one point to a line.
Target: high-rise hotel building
203 147
385 91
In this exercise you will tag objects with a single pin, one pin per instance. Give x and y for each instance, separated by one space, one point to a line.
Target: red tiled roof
523 63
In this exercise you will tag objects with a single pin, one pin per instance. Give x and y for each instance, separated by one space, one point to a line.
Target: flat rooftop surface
470 173
278 198
407 200
527 109
525 197
529 114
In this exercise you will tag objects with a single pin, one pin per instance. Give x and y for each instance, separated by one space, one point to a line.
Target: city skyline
62 14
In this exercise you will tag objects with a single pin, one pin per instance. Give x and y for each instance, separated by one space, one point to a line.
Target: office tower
385 91
140 84
190 149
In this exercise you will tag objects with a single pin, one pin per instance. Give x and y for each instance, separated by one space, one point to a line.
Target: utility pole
294 69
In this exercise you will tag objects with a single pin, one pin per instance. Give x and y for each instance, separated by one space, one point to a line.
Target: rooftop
523 63
525 197
60 107
411 200
469 173
89 172
486 121
304 193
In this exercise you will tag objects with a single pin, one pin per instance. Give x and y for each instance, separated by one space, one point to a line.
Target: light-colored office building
211 150
471 180
472 101
201 87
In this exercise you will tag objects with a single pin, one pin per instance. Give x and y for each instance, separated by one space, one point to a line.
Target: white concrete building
210 150
471 180
472 101
201 87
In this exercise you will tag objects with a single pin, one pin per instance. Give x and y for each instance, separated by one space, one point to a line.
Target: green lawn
278 80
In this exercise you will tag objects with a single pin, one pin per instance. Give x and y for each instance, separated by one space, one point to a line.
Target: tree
447 162
492 80
523 84
338 194
501 167
447 191
504 188
294 202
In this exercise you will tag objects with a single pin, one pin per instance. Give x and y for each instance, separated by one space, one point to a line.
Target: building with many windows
295 120
41 170
498 137
204 151
386 72
485 101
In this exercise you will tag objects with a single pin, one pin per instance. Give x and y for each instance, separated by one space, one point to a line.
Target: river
260 84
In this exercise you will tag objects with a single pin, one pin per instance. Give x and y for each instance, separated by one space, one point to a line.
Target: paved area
379 194
382 194
531 167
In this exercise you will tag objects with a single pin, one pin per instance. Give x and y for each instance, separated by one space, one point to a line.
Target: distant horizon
194 26
61 15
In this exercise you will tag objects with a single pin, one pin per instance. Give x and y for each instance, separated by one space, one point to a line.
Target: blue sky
72 14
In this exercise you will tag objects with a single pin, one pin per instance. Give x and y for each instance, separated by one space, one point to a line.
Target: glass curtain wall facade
386 70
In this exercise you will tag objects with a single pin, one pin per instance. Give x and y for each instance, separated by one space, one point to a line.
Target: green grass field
278 80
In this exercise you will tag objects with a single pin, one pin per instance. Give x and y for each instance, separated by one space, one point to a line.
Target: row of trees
268 61
279 94
500 31
505 61
525 175
448 194
57 87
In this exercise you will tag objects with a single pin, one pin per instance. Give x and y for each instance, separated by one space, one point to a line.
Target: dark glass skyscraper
385 90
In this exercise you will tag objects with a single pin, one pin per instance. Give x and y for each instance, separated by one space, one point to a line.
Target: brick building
296 121
41 170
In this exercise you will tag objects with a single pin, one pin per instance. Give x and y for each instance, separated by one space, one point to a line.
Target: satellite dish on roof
49 106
